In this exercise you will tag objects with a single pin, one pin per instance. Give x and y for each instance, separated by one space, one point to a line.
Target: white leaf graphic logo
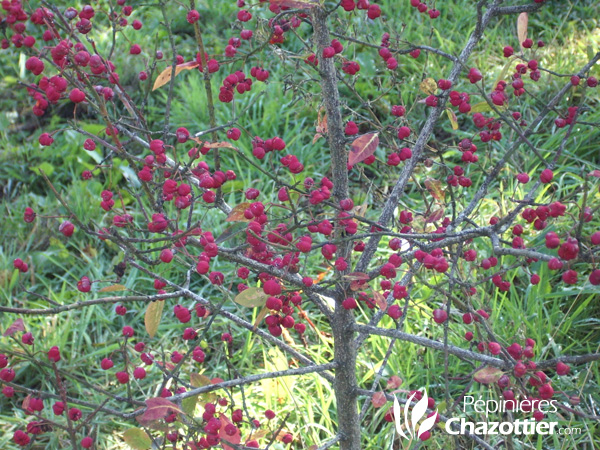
427 424
418 412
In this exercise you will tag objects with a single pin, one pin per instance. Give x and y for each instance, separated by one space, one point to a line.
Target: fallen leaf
165 75
363 147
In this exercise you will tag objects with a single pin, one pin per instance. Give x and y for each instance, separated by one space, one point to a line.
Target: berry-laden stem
342 325
209 97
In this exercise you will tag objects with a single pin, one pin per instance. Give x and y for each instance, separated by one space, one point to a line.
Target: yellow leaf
261 315
428 86
153 316
252 297
522 22
453 119
480 107
113 288
165 75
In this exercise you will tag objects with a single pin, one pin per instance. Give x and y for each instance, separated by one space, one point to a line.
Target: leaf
356 276
361 210
188 405
488 375
137 439
220 145
435 189
453 119
378 399
294 4
278 389
321 126
234 439
522 22
237 213
153 316
113 288
435 216
363 147
165 75
252 297
15 327
394 382
595 173
380 300
206 144
197 380
480 107
158 408
261 315
428 86
357 280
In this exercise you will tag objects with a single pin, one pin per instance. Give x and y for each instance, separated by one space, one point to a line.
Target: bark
342 324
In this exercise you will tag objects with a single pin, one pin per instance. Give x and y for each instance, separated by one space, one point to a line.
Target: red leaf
595 173
235 439
435 216
394 382
435 189
488 375
158 408
15 327
363 147
378 399
380 300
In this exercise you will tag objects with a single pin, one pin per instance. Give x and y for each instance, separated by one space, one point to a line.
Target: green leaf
153 316
189 405
251 298
92 128
45 166
480 107
137 439
198 380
